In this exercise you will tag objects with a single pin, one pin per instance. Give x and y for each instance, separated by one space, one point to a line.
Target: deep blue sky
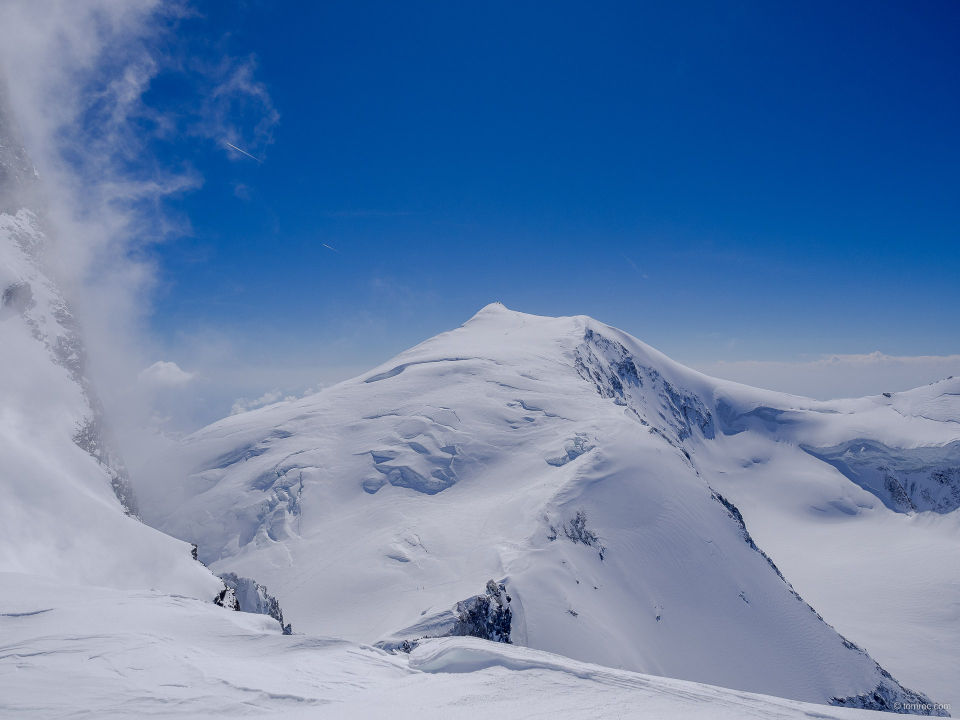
741 180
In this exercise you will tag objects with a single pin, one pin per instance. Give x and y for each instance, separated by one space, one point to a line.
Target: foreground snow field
90 652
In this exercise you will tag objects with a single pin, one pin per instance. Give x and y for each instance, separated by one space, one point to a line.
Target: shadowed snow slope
66 651
601 484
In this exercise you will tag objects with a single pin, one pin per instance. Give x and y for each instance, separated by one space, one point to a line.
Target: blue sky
726 181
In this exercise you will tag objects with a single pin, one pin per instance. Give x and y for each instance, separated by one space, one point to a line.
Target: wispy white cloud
242 405
166 374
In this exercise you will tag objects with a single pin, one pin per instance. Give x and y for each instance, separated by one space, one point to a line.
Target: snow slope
599 481
881 573
71 650
68 510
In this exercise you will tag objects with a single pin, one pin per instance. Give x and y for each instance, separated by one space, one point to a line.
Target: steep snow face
852 499
559 457
68 508
31 296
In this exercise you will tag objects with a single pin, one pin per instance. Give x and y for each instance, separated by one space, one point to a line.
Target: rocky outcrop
487 616
246 595
893 699
672 412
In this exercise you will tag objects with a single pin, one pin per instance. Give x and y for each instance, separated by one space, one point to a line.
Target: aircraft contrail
330 248
244 152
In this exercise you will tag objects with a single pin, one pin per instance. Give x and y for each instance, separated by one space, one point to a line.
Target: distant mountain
557 484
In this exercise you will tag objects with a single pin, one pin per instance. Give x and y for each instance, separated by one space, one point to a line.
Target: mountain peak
597 482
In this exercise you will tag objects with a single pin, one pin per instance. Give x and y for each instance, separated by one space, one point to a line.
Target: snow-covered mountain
593 514
563 484
68 509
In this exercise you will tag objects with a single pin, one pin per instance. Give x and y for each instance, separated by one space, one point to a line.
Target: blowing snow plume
82 193
77 78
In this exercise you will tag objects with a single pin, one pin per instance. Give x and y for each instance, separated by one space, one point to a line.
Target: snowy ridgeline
638 514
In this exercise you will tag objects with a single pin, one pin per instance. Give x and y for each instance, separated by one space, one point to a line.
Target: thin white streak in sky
330 248
244 152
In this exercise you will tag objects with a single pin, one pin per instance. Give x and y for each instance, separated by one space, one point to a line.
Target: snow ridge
617 374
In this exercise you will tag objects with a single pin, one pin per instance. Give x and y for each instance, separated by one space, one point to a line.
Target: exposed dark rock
617 375
486 616
94 437
734 513
578 533
885 698
227 599
246 595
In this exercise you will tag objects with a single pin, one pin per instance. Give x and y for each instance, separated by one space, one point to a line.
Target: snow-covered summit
598 482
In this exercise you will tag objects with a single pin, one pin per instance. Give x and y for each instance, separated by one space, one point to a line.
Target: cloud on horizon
836 376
